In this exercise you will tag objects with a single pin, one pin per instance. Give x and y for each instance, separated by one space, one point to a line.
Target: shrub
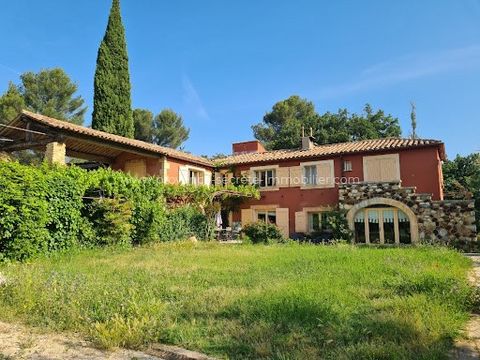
23 210
183 222
111 221
261 232
337 222
65 188
50 208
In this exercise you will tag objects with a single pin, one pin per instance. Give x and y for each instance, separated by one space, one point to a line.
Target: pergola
60 138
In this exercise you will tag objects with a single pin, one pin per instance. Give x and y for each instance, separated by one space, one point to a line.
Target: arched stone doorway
386 220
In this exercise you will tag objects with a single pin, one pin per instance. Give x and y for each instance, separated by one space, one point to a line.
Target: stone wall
444 221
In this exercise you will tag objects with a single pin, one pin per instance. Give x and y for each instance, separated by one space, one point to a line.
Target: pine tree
11 103
112 111
169 129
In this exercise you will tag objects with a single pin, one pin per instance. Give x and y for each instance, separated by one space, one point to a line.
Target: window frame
268 181
347 165
266 213
198 176
322 218
305 177
320 182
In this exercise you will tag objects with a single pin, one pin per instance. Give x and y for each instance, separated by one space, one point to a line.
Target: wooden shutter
183 175
282 221
136 168
283 174
218 178
296 176
381 168
325 174
301 222
208 178
246 216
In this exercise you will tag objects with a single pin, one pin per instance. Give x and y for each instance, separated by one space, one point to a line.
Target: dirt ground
469 348
19 342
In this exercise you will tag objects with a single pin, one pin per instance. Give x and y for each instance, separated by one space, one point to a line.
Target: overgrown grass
239 302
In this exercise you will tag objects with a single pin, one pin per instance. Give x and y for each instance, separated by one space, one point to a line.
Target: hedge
54 208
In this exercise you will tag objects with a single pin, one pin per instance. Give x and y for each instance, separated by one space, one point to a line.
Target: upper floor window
310 175
317 174
265 178
347 165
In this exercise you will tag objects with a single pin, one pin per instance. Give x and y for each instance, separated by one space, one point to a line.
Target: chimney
246 147
308 142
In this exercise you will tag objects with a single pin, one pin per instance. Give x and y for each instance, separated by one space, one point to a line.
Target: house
390 189
60 139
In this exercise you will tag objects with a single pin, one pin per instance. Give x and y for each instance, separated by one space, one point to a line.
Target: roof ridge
379 144
133 142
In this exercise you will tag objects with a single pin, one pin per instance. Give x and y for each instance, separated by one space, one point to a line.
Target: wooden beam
88 156
24 145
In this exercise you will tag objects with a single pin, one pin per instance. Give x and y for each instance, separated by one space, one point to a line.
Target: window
310 175
347 165
194 177
267 216
318 174
265 178
317 221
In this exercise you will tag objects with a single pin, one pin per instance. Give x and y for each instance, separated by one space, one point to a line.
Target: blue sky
223 64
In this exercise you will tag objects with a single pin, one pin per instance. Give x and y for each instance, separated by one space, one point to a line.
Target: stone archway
390 202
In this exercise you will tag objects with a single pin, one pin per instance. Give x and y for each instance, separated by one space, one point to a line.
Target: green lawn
245 301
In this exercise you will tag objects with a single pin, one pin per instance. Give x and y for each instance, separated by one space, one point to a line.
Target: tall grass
241 302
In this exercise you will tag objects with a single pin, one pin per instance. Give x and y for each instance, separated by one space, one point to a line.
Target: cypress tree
112 110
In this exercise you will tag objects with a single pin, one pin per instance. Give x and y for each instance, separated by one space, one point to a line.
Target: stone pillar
55 153
4 156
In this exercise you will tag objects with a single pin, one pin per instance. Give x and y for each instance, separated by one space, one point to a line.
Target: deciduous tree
281 128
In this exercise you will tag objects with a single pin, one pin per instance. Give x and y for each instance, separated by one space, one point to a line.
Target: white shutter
183 175
283 177
300 222
218 178
282 221
208 178
381 168
325 174
296 176
246 216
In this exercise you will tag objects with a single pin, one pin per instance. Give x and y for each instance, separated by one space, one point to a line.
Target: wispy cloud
192 98
12 70
407 68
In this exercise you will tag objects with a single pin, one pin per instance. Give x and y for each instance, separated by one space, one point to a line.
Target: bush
111 221
23 211
183 222
65 188
52 208
261 232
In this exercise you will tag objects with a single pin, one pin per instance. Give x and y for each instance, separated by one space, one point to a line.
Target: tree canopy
49 92
165 129
461 178
112 110
143 124
281 127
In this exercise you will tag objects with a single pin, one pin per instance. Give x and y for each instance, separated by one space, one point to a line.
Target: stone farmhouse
391 189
